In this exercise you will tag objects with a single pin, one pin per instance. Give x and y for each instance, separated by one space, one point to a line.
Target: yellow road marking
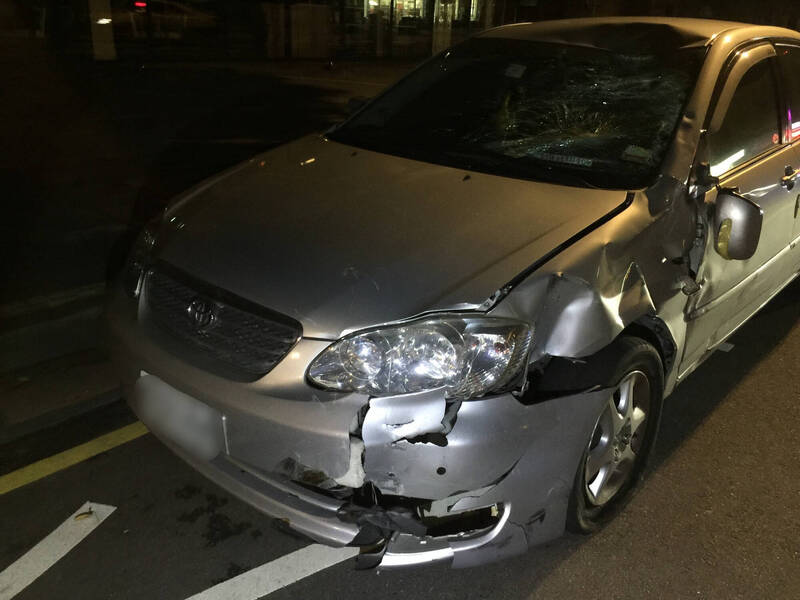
62 460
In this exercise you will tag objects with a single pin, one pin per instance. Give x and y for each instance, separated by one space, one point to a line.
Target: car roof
630 32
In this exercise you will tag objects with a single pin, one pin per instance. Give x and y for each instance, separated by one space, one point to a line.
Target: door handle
789 177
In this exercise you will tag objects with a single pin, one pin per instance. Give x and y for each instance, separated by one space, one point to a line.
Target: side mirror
355 103
737 226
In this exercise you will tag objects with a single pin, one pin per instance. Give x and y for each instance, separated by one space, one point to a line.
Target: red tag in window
775 138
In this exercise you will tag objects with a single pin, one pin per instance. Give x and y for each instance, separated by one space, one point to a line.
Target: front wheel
623 435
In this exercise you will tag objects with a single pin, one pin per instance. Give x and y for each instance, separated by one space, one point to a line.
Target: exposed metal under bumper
314 515
405 550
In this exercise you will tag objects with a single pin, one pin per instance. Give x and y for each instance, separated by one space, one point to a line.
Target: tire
616 452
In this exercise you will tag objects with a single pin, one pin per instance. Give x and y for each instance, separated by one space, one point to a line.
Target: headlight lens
468 356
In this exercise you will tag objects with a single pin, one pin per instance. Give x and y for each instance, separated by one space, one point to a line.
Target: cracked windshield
551 112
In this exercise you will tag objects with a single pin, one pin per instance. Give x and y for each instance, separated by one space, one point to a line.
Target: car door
749 151
789 60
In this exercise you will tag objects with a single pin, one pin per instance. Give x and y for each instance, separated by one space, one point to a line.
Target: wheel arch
654 330
554 376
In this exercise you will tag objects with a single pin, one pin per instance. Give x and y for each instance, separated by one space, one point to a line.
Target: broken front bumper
519 460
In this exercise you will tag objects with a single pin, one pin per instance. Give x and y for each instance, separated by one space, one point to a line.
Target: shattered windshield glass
566 114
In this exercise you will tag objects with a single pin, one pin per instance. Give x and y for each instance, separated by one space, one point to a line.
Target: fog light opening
464 522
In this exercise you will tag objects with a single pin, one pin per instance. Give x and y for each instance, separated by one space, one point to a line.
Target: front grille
213 329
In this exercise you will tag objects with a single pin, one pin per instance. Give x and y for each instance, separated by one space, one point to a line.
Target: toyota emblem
202 313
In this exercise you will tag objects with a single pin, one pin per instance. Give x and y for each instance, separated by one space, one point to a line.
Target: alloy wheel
617 439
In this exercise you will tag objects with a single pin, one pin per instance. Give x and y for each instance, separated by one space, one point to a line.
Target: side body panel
795 243
732 290
789 61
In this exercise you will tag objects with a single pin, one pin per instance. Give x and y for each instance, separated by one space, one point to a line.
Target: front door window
752 123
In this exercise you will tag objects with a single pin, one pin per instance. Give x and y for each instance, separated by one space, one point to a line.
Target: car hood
341 238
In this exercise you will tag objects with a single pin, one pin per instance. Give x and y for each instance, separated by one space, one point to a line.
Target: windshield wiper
525 167
571 174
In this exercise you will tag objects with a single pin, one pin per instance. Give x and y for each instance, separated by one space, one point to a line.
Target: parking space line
73 456
277 574
52 548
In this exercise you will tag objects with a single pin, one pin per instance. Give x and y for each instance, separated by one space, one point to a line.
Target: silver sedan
444 330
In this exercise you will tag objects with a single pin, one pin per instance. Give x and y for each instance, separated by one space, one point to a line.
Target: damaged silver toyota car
443 331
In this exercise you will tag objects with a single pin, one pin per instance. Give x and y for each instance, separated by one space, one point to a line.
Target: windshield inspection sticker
638 154
559 158
515 70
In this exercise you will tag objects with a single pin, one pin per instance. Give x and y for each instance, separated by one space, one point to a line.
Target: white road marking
51 549
277 574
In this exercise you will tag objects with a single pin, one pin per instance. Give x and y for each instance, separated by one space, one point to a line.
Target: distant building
323 29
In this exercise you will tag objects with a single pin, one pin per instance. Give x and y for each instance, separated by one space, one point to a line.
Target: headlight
139 258
467 356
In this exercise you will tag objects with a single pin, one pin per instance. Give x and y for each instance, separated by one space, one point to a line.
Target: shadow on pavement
695 399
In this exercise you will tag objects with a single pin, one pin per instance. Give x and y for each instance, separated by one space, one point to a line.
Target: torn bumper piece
499 453
477 445
515 460
319 517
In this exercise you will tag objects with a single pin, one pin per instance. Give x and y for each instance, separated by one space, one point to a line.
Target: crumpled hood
341 238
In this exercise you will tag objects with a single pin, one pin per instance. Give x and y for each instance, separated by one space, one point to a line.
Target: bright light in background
103 21
140 4
725 165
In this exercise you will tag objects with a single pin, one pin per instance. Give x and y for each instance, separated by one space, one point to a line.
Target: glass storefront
414 9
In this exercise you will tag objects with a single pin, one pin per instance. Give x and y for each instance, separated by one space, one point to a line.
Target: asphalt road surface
718 516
